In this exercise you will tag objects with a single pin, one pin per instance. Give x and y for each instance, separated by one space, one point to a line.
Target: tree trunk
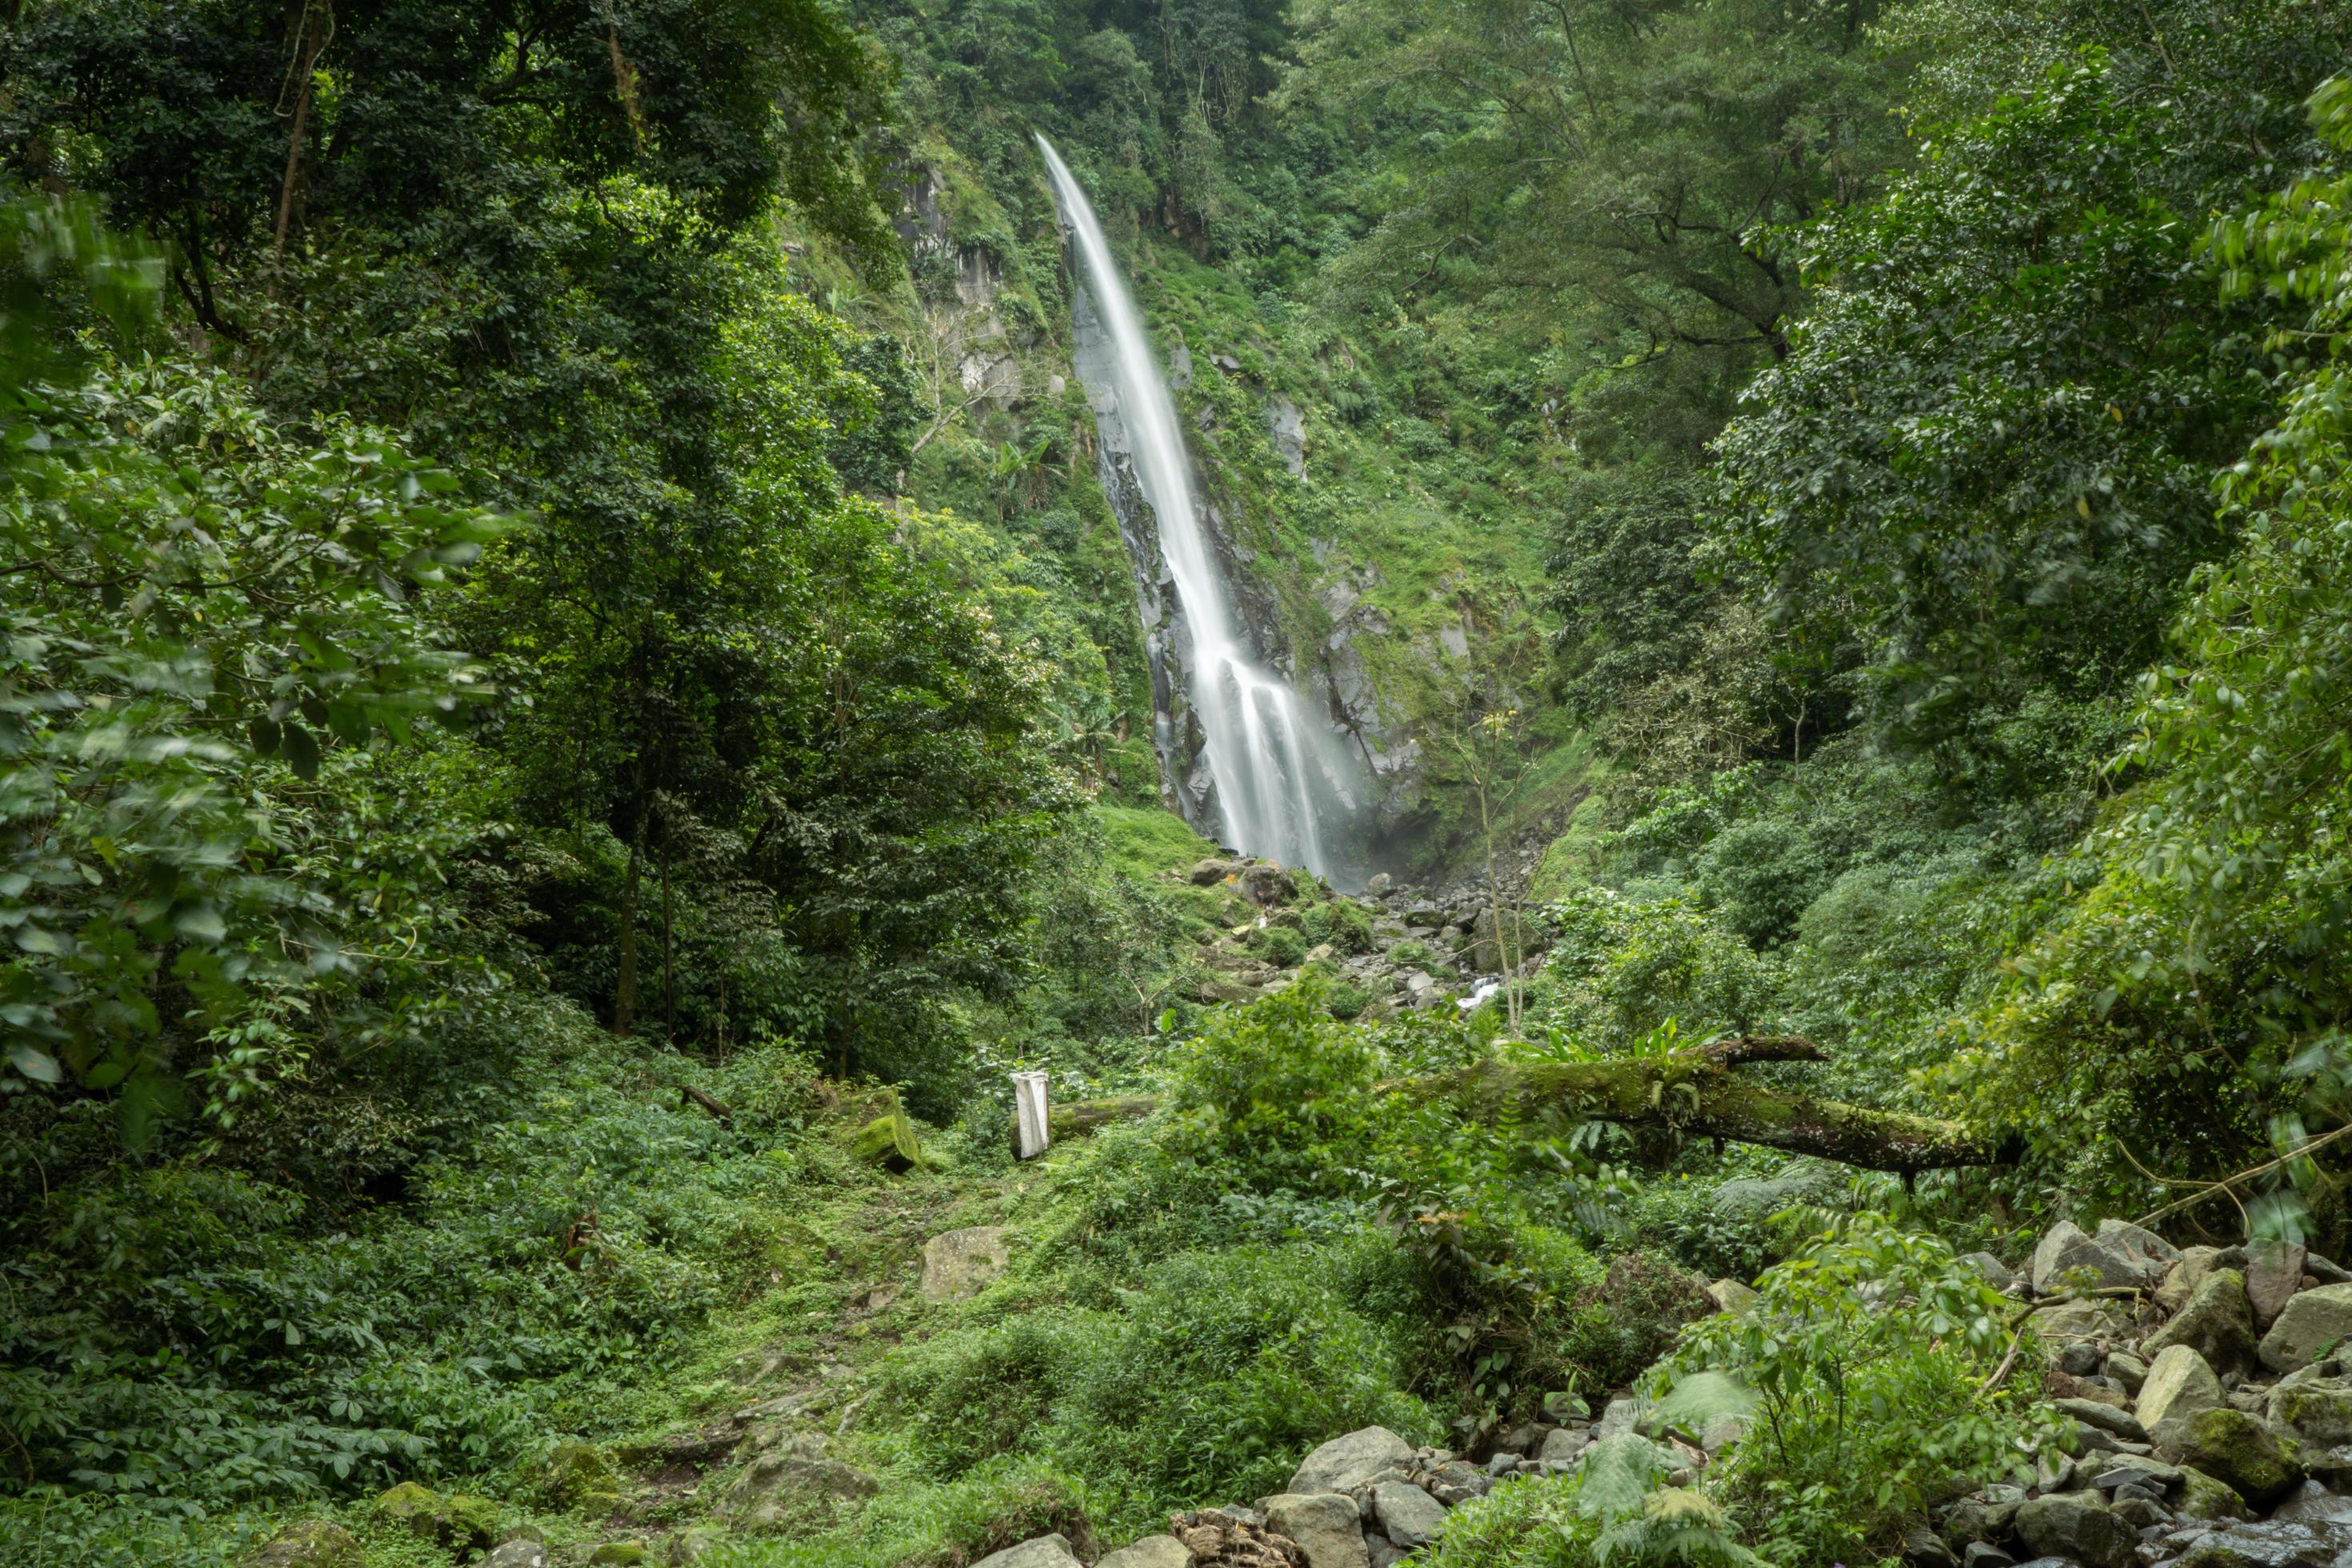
625 992
1694 1093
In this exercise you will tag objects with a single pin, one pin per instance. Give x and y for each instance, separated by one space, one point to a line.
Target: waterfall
1282 785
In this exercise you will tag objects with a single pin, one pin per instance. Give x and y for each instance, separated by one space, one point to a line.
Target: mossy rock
308 1544
583 1477
618 1554
457 1521
2202 1497
413 1506
887 1140
2234 1448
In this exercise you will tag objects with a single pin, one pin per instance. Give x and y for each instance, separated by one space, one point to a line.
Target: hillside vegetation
573 707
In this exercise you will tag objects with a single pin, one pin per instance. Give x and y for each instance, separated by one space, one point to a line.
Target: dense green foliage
563 654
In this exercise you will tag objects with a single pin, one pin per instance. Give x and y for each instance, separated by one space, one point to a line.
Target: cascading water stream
1283 788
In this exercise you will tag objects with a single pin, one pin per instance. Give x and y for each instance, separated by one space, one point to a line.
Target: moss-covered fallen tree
1696 1092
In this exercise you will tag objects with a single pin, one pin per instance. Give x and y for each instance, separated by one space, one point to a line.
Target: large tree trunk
1695 1093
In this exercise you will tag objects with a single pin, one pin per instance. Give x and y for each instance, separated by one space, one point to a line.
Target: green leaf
301 752
37 1065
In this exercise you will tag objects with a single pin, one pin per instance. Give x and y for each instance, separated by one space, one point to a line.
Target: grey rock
2067 1255
2151 1252
2179 1383
2067 1323
2234 1449
1325 1525
1730 1296
1384 1552
1996 1273
1408 1515
2215 1322
1152 1551
2078 1525
2115 1471
1924 1549
2273 1543
1565 1446
2325 1270
2081 1359
2053 1472
1980 1518
2315 1412
797 1473
1345 1463
2273 1274
1287 427
1455 1482
1985 1554
2125 1371
960 1262
2315 1504
2108 1418
519 1553
1721 1433
1502 1463
2142 1512
2181 1281
1620 1416
2310 1323
1044 1552
321 1543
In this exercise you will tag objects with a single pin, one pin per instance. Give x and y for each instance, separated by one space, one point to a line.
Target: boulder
2149 1252
2179 1382
1996 1273
617 1554
2080 1526
1343 1464
2215 1322
2314 1413
1923 1548
1209 873
308 1544
2202 1497
2273 1274
523 1552
1152 1551
795 1475
1408 1515
2112 1419
1564 1446
582 1475
2126 1372
888 1140
1985 1554
958 1263
2180 1282
2234 1448
1730 1296
1044 1552
2316 1504
2069 1322
458 1522
1327 1526
2310 1323
2066 1255
2272 1543
1455 1482
1986 1516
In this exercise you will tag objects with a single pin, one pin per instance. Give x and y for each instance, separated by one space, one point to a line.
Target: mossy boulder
2232 1447
2216 1323
887 1140
308 1544
459 1522
2202 1497
617 1554
583 1477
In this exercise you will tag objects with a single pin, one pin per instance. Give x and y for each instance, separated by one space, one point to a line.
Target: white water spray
1282 781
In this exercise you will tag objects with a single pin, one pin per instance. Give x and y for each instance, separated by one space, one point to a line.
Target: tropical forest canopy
573 703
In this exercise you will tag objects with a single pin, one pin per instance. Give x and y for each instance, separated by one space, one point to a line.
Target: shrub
1281 946
1863 1353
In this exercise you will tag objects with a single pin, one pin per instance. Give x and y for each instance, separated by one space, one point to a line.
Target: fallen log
1695 1092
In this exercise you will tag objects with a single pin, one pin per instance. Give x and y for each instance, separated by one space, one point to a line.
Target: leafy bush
1340 922
1281 946
1863 1356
